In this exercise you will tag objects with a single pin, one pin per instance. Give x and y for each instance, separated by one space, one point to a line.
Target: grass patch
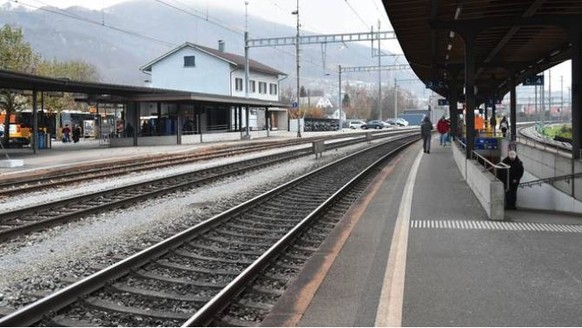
563 131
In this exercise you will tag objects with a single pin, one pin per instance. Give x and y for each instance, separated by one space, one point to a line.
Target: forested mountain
122 38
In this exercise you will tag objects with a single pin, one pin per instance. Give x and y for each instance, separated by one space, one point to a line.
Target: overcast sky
319 16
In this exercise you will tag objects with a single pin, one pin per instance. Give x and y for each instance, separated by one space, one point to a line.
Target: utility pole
535 101
395 99
561 96
379 76
297 65
313 39
543 102
368 69
550 93
340 98
247 73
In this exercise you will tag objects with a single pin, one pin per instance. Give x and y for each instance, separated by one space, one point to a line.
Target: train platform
91 151
419 250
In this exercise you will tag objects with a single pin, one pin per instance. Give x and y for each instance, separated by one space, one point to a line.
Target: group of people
76 133
426 127
510 177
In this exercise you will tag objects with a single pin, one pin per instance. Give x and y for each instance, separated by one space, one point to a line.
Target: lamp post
395 99
296 12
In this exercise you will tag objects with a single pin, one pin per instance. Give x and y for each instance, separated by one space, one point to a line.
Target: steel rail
34 312
210 310
152 189
69 175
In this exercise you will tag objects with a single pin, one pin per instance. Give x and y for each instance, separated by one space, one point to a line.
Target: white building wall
257 77
210 75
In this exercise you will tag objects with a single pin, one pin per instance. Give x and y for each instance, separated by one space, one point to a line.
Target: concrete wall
538 163
542 163
460 159
157 141
488 190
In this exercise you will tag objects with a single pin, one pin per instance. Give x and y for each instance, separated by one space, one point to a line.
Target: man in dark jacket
426 133
515 174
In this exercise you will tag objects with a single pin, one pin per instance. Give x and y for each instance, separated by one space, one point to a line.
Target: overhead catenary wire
212 20
195 13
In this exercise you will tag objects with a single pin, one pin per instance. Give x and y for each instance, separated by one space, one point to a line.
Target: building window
252 86
189 61
238 84
273 88
263 87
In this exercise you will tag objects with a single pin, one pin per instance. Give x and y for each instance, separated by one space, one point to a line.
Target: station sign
491 102
534 80
443 102
436 84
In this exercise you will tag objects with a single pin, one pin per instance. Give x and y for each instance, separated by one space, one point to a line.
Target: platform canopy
104 92
509 38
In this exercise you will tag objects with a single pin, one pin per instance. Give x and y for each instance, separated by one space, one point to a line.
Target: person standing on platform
129 130
443 129
515 173
426 133
504 125
66 133
493 123
76 133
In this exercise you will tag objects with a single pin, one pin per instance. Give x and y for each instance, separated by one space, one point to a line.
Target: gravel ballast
45 261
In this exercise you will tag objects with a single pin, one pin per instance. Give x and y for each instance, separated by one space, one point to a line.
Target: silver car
356 124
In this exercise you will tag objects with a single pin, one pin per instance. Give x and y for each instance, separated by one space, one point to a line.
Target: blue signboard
443 102
435 84
534 80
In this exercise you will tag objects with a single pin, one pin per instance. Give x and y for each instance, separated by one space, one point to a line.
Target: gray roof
233 59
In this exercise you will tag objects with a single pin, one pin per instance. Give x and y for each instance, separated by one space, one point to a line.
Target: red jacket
443 126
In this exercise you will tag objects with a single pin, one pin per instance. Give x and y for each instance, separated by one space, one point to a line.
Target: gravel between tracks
43 261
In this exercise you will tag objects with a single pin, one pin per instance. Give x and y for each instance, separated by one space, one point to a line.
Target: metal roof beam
479 25
533 8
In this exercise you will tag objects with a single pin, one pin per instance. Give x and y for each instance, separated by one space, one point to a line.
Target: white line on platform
389 312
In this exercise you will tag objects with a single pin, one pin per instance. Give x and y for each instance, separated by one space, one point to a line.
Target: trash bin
41 140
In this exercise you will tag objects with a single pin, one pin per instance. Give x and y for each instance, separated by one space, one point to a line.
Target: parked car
401 122
356 124
390 123
373 124
397 122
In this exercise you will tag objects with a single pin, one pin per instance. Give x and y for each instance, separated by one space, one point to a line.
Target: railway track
68 176
38 217
192 277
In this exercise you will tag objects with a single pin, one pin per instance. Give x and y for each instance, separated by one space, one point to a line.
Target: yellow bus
20 134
